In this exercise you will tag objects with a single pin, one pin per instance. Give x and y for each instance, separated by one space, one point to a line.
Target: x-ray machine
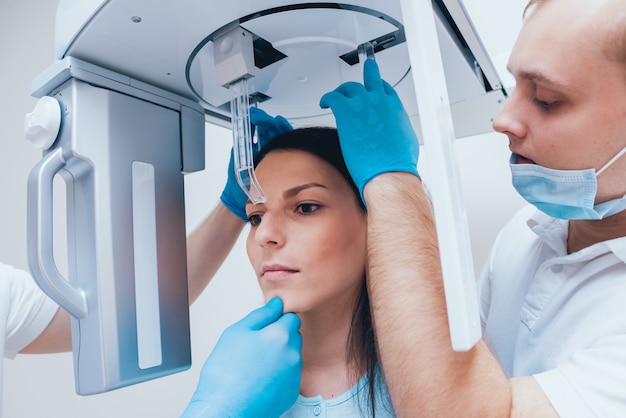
121 119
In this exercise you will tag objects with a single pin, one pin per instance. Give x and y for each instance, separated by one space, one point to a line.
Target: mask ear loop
611 161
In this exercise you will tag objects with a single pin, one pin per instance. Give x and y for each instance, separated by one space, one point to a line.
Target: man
553 289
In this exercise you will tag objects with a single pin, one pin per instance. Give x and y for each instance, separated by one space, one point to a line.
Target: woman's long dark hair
361 345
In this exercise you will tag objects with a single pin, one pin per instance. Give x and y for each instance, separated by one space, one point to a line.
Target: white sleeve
483 285
25 309
591 383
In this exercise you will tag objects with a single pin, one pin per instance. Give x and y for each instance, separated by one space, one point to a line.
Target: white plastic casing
42 125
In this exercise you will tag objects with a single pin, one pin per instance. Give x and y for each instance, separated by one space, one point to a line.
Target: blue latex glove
375 133
254 370
268 128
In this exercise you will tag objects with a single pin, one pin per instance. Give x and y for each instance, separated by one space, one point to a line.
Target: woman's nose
269 230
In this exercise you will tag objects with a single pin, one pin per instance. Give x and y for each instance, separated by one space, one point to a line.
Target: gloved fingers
267 132
340 95
371 76
282 124
286 333
389 90
256 117
290 322
261 119
232 196
236 208
371 83
269 127
329 99
263 316
259 116
351 89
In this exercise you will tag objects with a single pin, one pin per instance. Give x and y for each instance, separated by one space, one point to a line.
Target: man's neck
583 234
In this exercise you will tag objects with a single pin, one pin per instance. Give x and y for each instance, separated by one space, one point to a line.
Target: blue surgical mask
564 194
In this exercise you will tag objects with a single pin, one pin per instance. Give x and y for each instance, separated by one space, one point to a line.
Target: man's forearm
425 376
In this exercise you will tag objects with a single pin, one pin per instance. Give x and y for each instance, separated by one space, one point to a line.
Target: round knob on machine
42 125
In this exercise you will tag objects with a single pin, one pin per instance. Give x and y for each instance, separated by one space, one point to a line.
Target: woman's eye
307 208
254 219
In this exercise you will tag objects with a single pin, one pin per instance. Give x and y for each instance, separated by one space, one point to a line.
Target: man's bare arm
425 376
56 338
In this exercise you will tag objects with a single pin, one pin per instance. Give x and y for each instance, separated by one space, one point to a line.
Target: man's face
568 110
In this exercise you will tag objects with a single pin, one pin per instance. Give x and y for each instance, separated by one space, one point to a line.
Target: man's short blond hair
614 42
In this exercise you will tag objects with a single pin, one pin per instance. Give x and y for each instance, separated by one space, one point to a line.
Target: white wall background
43 385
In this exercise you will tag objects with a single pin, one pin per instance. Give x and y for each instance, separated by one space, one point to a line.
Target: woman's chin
289 304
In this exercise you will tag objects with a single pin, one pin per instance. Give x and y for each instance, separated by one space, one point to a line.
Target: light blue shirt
354 403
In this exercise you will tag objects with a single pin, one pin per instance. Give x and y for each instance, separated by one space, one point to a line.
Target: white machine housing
137 79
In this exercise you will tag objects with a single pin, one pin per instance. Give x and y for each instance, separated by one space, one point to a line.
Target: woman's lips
277 272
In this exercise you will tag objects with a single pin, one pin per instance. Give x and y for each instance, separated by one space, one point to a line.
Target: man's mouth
523 160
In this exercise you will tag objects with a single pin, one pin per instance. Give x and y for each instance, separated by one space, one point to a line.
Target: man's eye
254 219
545 105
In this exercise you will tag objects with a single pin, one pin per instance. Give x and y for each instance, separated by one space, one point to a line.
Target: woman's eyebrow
295 190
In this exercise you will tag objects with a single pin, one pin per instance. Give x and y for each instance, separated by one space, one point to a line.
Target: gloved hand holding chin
254 369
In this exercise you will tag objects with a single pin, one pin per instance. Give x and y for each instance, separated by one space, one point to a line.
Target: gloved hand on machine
254 369
267 128
375 132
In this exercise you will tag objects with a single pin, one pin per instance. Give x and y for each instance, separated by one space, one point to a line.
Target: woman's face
307 242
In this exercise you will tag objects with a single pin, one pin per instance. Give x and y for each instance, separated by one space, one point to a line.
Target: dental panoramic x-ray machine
121 119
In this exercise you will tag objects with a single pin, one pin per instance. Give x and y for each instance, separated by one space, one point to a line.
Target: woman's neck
324 344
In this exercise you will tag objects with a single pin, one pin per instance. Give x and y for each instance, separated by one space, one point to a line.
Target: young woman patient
307 245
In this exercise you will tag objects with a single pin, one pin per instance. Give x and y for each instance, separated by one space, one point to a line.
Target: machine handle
39 237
